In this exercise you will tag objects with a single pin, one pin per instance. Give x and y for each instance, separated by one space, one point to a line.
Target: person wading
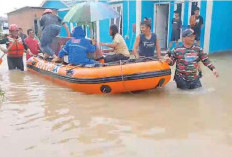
32 43
186 57
15 49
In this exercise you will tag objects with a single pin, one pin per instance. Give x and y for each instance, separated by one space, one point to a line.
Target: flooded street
42 119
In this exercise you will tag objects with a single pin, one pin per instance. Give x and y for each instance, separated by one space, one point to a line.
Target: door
161 24
118 21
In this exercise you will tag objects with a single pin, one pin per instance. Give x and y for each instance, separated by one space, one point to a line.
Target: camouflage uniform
186 60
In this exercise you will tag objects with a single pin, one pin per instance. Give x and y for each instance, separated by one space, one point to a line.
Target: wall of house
129 18
148 8
54 4
203 14
128 22
25 18
61 13
220 37
148 11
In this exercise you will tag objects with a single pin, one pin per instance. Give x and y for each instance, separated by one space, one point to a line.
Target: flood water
42 119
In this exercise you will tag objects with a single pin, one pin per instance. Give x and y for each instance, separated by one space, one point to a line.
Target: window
117 21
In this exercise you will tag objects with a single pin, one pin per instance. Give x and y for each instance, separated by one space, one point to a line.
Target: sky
10 5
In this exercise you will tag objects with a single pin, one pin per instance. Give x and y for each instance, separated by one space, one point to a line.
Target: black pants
183 84
115 57
15 63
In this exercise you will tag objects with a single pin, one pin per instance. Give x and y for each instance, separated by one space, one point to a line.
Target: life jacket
15 47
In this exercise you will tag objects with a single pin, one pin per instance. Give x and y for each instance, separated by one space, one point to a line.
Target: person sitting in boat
77 48
147 42
118 46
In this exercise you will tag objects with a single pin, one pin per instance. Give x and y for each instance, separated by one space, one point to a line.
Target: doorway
118 21
161 23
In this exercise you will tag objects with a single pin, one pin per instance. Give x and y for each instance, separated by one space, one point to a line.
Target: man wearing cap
15 49
186 57
176 27
196 23
51 26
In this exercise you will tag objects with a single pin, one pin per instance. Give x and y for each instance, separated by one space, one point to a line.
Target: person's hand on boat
215 73
103 44
167 59
56 59
136 56
159 58
94 42
30 53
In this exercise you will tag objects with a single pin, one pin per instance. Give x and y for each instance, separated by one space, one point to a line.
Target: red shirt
33 45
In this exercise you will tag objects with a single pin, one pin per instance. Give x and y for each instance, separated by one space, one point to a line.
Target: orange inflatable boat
123 76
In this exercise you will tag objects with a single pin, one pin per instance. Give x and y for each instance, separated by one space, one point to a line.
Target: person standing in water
22 35
176 27
51 26
15 49
32 43
147 42
186 57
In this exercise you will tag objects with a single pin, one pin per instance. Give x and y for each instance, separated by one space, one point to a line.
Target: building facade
215 34
27 18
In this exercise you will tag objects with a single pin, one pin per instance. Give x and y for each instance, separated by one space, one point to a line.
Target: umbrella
88 12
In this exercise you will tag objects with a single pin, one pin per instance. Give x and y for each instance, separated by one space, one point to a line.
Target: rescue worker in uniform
15 49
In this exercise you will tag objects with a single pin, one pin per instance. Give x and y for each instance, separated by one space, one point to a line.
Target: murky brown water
41 119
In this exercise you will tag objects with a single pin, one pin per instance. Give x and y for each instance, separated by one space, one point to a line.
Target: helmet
13 27
47 11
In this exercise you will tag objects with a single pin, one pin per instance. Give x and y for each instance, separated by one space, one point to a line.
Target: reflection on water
39 118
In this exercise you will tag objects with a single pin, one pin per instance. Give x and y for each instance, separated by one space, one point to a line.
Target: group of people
196 24
16 44
186 55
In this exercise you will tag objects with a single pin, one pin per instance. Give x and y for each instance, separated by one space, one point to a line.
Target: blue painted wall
186 9
221 34
203 14
61 14
129 19
221 21
148 11
54 4
127 24
171 15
